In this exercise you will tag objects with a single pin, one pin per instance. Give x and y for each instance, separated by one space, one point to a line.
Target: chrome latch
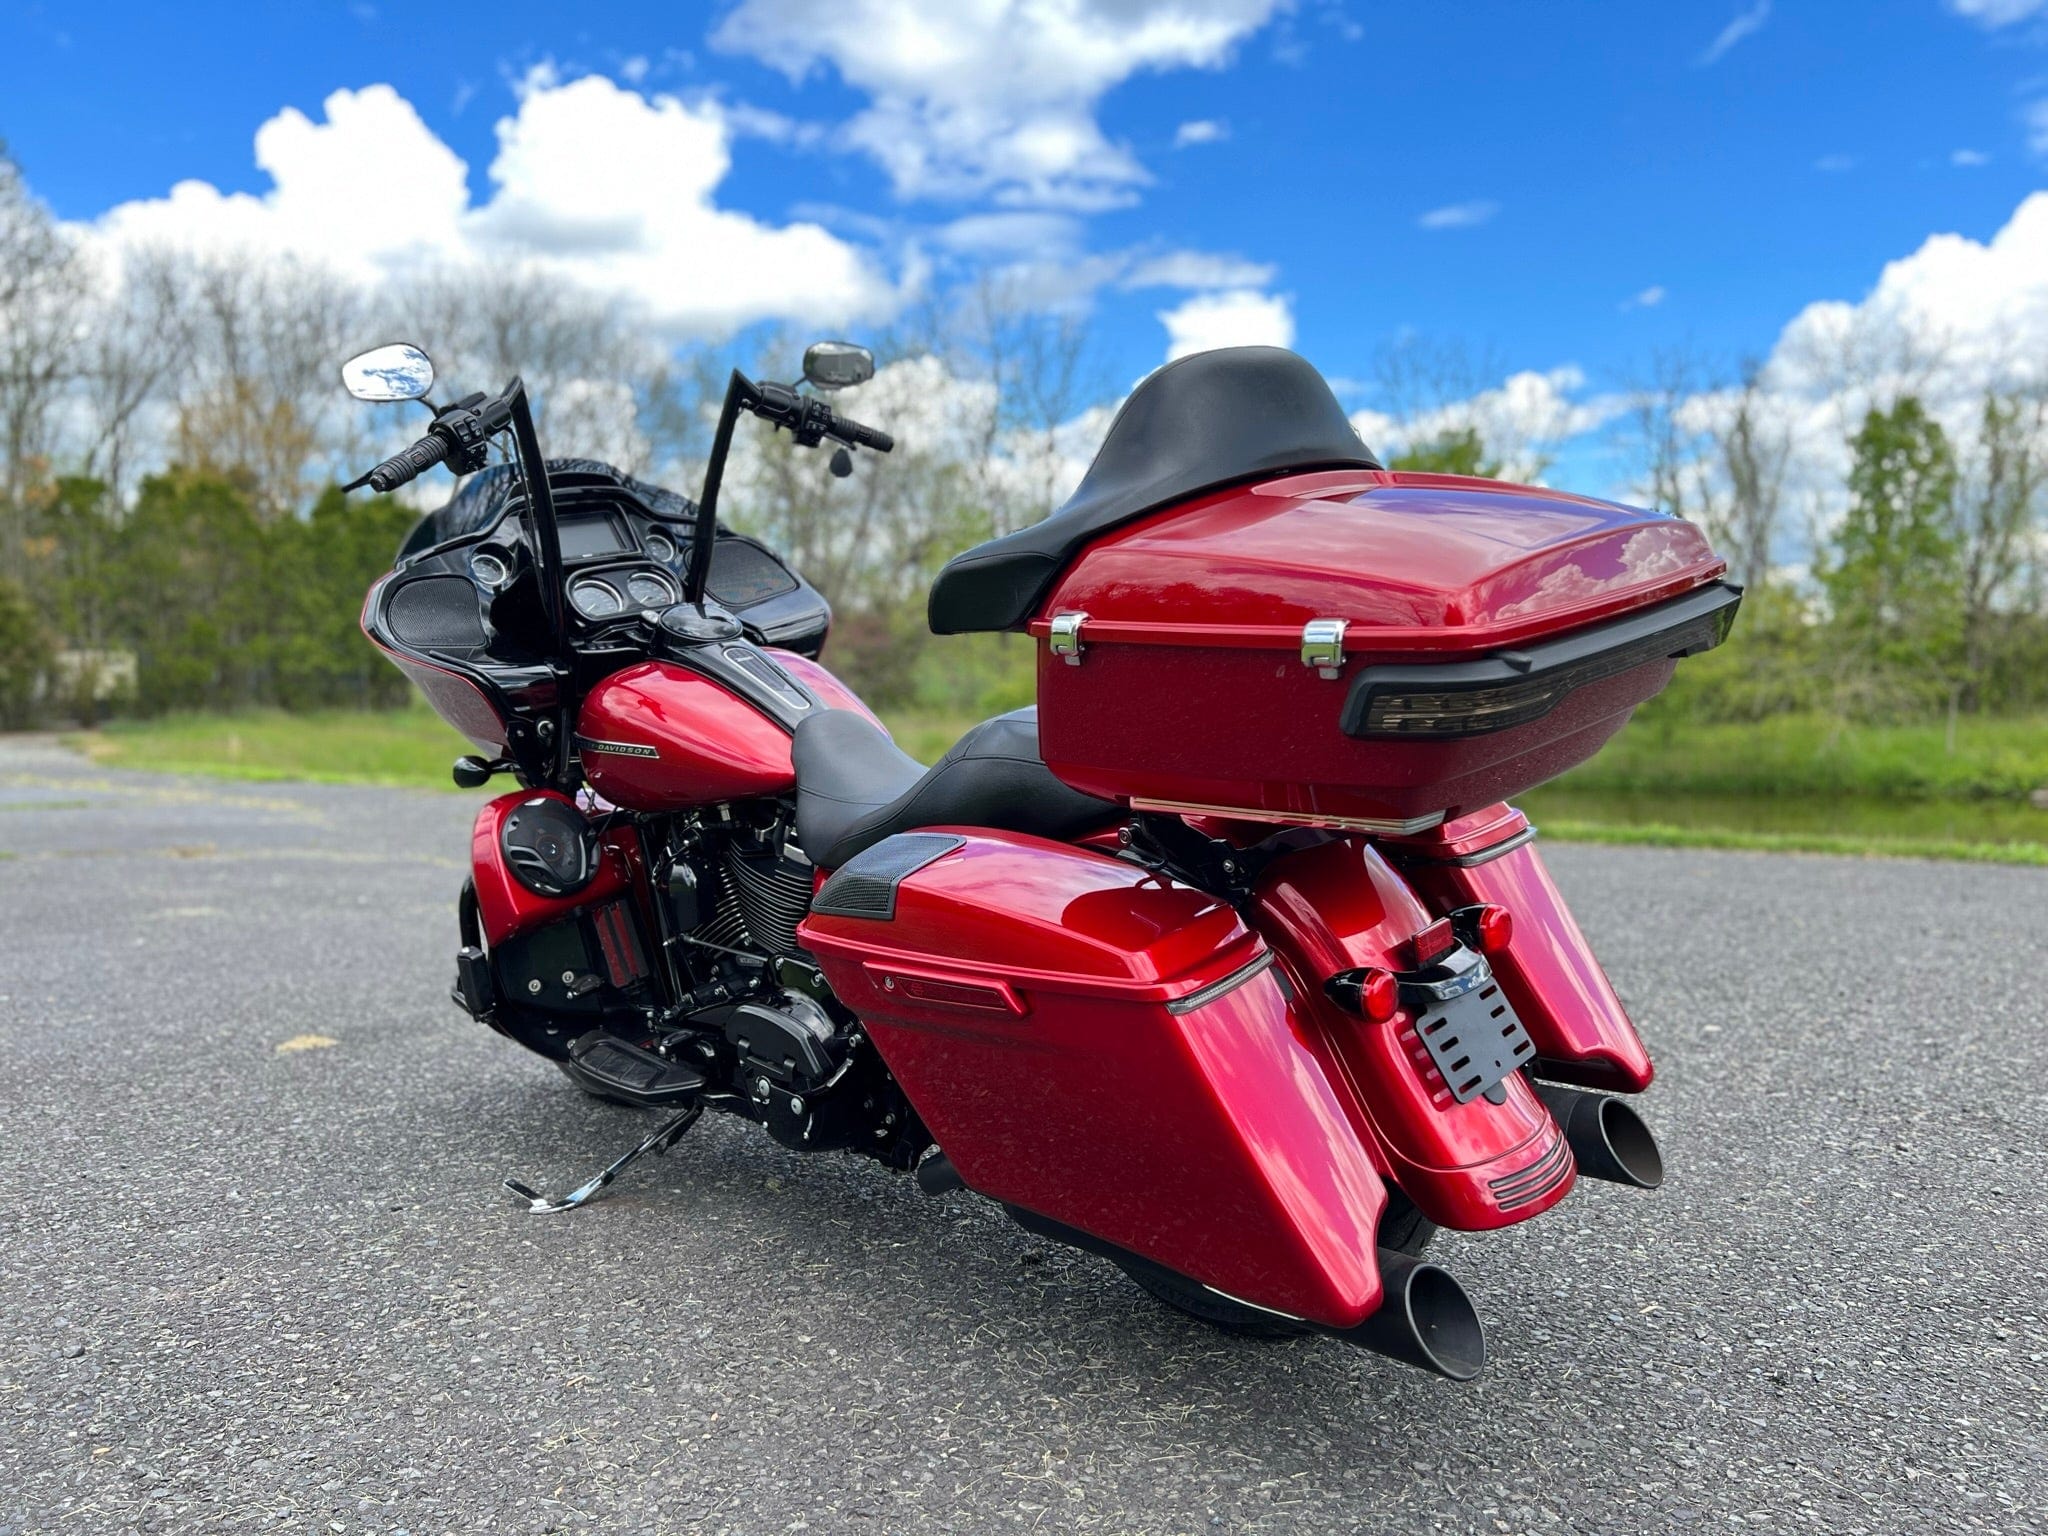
1322 646
1065 639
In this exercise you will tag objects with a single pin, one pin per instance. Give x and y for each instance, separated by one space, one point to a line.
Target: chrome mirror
837 364
400 371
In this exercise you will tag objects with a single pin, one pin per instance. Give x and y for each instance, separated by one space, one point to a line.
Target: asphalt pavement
257 1272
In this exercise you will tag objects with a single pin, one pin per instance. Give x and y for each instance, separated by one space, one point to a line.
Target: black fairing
1208 421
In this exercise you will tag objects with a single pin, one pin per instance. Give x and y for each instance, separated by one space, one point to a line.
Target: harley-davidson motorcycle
1229 961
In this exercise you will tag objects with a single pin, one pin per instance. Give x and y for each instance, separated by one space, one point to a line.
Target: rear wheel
1402 1228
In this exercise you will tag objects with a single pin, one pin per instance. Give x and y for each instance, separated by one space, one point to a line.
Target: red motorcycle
1229 962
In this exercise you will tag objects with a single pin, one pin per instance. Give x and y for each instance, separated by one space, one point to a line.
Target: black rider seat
854 786
1208 421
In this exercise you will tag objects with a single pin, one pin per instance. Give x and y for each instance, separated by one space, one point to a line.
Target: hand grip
862 437
414 461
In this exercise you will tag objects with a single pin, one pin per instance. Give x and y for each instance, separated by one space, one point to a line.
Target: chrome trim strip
1485 855
1406 828
1216 989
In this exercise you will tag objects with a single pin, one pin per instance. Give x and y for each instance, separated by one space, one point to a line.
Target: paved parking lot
256 1272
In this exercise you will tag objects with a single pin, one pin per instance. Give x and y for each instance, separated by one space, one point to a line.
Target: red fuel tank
658 737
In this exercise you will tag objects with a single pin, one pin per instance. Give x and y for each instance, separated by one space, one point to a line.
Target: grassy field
1791 784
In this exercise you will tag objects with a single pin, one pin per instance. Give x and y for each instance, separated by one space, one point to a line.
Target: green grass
1812 755
1792 784
1664 835
402 746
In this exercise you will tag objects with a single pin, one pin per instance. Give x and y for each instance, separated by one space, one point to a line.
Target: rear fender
1472 1166
1548 971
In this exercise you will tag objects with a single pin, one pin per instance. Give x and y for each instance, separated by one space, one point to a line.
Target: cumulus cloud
1520 421
1649 298
993 97
1239 317
1745 24
593 183
1459 215
1206 130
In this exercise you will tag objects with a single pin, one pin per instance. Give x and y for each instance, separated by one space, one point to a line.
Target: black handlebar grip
413 462
866 437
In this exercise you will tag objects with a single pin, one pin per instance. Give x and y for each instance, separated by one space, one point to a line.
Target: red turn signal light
1494 928
1369 992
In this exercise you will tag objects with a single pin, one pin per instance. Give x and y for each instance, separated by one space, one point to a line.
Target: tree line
171 433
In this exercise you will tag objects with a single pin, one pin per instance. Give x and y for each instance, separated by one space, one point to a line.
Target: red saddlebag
1112 1050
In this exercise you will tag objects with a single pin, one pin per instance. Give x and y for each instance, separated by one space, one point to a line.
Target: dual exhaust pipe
1425 1318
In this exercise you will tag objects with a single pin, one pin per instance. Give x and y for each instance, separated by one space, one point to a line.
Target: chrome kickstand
660 1141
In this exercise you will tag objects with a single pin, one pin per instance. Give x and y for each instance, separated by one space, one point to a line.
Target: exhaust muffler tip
1608 1139
1424 1319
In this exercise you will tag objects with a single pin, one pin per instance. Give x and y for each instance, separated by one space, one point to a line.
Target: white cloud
1459 215
1239 317
1998 13
1198 269
1969 158
1013 232
1206 130
1745 24
1519 422
1649 298
993 97
593 183
1834 165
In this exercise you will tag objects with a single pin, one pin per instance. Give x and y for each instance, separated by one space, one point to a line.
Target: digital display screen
586 537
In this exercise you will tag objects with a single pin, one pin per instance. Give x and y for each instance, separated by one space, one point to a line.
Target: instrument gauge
490 570
596 599
650 590
661 547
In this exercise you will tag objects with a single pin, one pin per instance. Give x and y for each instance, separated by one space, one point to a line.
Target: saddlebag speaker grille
865 885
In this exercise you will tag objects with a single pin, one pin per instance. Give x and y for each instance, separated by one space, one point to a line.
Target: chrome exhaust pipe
1424 1319
1608 1139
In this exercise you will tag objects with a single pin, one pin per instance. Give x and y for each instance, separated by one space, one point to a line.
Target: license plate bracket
1467 1025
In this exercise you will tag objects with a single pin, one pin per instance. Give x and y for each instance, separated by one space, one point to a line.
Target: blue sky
1621 183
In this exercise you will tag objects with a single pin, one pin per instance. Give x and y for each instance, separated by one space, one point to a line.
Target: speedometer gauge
596 600
649 590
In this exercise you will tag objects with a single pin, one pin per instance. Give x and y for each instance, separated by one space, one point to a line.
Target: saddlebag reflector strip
1509 688
1204 995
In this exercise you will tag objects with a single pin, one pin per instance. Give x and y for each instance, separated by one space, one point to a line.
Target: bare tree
264 340
2000 506
1752 450
591 371
130 361
43 288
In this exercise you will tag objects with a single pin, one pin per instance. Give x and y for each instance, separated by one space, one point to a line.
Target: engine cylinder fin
727 924
774 896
